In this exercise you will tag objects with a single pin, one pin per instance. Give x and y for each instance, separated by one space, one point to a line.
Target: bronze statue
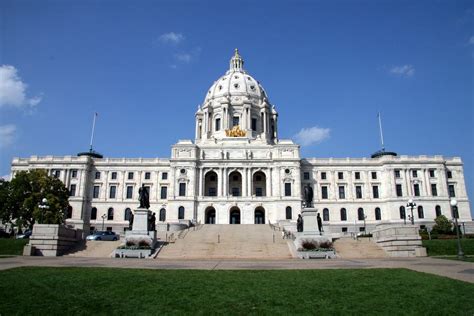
299 223
308 196
153 222
320 224
144 197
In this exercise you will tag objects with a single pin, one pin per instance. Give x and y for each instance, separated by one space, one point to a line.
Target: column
268 183
244 182
200 181
249 182
224 179
219 183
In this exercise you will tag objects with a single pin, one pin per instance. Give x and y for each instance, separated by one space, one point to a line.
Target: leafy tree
443 225
20 199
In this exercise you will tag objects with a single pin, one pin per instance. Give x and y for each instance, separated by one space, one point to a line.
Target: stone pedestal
310 229
140 226
310 223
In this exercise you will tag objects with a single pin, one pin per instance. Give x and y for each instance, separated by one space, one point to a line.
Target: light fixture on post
411 205
43 206
454 211
104 216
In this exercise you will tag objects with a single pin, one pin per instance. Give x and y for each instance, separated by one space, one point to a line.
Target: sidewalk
458 270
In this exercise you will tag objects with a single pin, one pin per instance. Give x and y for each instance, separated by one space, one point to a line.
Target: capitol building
238 171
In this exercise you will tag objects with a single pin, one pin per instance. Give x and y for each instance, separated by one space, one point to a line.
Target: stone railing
399 241
51 240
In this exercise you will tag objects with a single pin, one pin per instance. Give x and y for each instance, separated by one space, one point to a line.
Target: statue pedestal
310 222
140 226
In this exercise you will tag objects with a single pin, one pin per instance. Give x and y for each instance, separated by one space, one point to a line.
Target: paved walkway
449 268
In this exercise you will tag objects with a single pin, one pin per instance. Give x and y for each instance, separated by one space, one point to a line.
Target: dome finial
236 62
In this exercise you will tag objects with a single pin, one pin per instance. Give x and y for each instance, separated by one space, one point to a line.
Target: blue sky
144 66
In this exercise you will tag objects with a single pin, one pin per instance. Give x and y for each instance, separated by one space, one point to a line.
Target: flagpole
93 129
381 132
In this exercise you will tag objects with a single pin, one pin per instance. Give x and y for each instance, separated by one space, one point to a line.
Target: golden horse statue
235 132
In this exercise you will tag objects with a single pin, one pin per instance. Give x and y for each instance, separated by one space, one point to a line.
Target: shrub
443 225
326 245
309 244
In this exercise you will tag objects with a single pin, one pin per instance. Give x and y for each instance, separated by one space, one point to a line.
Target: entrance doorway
234 217
210 215
259 215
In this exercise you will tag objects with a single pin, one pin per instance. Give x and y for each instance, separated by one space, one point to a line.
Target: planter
327 254
133 253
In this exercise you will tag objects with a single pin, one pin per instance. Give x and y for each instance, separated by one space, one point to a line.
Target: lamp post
103 219
411 205
43 206
454 211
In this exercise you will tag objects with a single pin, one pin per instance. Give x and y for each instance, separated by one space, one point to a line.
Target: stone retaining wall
51 240
400 241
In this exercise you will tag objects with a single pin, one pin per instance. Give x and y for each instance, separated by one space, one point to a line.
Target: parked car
25 235
103 235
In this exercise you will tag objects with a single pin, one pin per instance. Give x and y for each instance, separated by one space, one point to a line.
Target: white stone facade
238 171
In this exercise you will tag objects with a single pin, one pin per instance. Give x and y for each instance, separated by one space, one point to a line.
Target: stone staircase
348 248
94 248
228 242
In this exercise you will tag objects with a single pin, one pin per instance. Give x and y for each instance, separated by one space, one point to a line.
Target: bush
443 225
309 244
326 245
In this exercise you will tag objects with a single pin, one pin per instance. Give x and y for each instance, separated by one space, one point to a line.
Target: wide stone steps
94 248
348 248
228 242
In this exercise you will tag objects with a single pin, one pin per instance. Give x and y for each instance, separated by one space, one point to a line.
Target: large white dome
236 82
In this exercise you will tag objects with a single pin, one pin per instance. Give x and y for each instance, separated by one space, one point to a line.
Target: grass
65 291
12 246
448 247
466 258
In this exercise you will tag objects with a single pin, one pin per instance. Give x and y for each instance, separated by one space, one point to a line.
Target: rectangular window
74 174
97 175
324 192
130 176
357 175
112 192
72 190
344 229
218 124
114 175
397 173
358 192
96 191
375 191
129 192
235 192
254 124
452 193
449 174
258 192
342 192
323 175
182 189
432 173
147 176
434 189
235 121
399 190
287 189
374 175
416 189
414 173
164 176
306 175
340 175
56 173
164 193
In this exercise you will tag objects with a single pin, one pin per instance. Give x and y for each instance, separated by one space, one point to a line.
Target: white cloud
171 37
7 134
13 89
471 40
312 135
6 177
183 57
403 71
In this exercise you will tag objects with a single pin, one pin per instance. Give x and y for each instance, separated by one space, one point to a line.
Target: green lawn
129 292
448 247
12 246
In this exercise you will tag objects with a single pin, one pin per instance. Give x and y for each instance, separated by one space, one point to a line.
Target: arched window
94 213
110 214
289 213
326 215
378 215
162 215
343 214
128 214
438 210
181 212
421 214
69 212
360 214
402 212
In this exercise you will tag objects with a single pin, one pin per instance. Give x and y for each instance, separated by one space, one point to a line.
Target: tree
20 199
443 225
